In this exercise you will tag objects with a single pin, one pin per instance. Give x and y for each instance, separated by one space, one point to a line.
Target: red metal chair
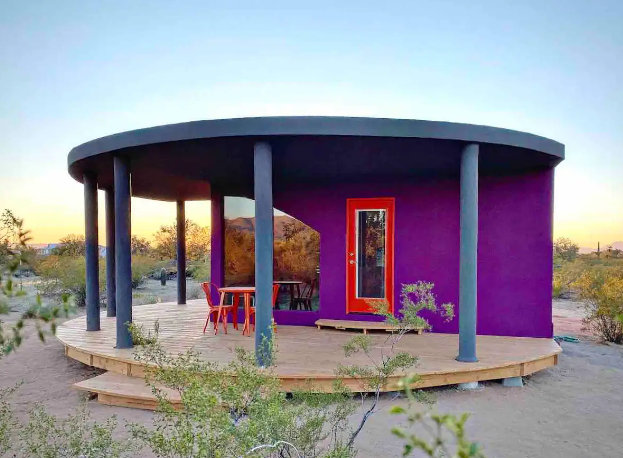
218 312
252 309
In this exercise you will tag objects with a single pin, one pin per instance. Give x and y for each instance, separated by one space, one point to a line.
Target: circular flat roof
182 161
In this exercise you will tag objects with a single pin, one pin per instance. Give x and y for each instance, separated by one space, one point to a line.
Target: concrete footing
513 382
469 386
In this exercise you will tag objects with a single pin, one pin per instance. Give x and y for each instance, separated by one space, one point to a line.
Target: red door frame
354 304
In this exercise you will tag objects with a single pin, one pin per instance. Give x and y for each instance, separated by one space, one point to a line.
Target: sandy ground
572 410
567 316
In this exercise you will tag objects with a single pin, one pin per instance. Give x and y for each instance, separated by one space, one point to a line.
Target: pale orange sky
598 221
147 217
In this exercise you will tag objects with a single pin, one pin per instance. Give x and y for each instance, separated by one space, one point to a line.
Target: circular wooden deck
306 353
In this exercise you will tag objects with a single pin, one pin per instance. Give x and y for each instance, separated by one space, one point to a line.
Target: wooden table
246 292
291 284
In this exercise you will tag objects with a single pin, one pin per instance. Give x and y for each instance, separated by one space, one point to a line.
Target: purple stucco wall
515 247
515 255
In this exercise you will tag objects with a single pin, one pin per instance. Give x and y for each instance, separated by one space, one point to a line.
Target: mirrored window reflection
296 251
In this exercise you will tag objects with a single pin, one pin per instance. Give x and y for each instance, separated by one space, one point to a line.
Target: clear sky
72 71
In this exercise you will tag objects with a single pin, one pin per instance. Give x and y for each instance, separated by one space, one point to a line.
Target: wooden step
364 326
120 390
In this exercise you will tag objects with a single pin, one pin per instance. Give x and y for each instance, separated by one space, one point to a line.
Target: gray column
181 253
123 253
111 300
263 187
468 255
91 252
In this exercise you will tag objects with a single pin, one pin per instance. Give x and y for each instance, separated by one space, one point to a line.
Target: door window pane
371 253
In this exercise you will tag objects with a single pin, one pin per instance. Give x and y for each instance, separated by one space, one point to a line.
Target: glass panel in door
371 235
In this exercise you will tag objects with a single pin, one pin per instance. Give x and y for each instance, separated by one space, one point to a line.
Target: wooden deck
304 353
365 326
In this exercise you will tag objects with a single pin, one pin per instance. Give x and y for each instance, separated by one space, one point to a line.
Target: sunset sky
72 71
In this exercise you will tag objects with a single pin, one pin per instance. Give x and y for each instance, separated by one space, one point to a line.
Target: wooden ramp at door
364 326
304 354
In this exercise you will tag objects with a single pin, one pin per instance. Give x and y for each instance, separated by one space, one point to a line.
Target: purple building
468 208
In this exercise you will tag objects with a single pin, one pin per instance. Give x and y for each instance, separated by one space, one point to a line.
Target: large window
296 255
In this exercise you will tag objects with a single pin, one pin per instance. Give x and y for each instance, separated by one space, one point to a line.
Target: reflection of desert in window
296 259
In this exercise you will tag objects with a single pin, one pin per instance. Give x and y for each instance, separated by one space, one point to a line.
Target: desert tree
197 241
71 246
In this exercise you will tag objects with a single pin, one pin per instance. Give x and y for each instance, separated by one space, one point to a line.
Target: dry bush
565 276
142 267
61 275
601 290
201 271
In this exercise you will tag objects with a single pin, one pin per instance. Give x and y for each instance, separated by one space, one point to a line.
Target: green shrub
236 409
414 298
142 267
46 436
601 290
201 271
373 378
66 275
385 362
565 276
565 250
557 289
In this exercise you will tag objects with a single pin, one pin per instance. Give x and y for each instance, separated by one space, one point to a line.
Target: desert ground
571 410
